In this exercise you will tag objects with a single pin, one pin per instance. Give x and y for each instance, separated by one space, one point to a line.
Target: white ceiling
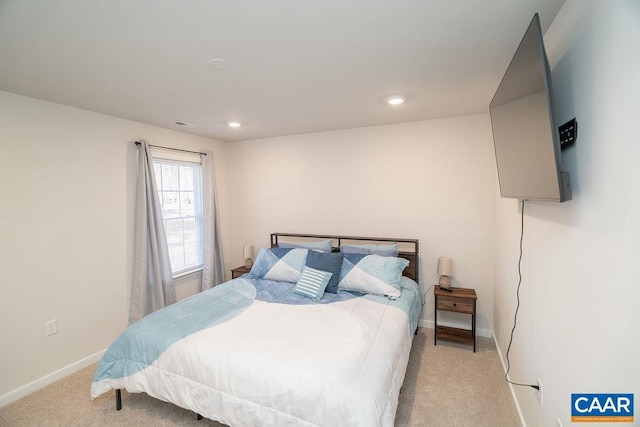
294 66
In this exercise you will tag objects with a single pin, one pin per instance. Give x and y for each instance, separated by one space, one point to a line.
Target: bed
284 344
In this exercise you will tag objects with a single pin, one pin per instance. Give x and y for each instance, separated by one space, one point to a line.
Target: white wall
432 180
67 182
578 324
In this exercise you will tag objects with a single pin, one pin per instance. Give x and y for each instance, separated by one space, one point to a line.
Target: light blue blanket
129 354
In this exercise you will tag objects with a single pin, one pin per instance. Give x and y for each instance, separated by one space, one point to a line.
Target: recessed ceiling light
234 124
218 63
395 100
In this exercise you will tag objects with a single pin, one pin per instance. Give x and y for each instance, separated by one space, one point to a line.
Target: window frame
197 216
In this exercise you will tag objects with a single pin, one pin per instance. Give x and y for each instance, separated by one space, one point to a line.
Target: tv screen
526 141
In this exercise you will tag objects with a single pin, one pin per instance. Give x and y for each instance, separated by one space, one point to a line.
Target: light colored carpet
450 385
445 385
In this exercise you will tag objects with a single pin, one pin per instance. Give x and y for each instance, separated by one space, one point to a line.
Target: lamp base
444 282
248 263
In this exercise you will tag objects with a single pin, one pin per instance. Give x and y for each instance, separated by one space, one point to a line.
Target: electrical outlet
50 327
540 392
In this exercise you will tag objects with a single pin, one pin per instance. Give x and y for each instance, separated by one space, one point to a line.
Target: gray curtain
152 278
213 264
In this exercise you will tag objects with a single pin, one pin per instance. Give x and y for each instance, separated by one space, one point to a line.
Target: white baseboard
14 395
487 333
513 392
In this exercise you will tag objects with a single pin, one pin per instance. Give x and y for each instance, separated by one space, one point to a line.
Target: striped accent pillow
312 283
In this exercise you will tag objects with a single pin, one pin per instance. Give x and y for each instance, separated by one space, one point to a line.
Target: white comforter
249 352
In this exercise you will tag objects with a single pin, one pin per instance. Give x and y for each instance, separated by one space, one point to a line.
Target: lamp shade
247 252
445 266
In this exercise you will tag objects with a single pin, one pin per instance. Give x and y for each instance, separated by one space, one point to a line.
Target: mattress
252 352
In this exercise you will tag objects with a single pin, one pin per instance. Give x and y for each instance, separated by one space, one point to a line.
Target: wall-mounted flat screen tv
526 139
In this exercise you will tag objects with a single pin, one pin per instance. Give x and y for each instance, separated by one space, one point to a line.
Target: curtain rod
174 149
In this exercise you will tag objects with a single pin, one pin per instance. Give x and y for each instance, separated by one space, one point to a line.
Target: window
180 187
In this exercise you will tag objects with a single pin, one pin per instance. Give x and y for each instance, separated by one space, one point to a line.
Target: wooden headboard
408 248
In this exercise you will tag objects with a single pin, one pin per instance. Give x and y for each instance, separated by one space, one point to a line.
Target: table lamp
444 271
247 253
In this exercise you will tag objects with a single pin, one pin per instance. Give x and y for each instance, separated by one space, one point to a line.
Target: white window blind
180 188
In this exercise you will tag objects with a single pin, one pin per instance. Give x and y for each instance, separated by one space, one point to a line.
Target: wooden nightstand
460 300
239 271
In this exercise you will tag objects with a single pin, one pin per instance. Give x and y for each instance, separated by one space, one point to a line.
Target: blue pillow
372 274
383 250
312 283
284 265
331 263
321 246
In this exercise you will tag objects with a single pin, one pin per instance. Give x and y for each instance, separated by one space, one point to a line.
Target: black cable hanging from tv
515 317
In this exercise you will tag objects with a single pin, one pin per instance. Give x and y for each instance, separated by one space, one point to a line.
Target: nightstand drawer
460 305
